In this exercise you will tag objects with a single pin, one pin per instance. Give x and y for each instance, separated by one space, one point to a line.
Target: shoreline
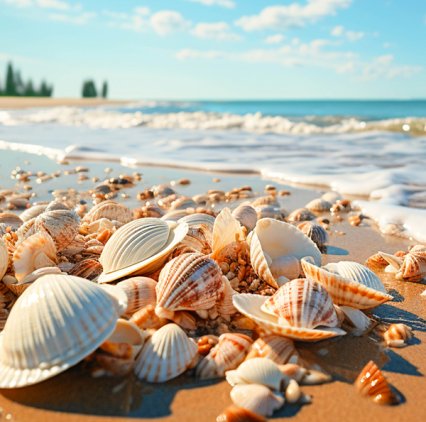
13 103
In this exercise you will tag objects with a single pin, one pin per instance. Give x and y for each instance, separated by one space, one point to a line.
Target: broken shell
276 348
315 232
376 262
165 355
239 414
301 214
397 335
348 283
371 383
110 210
318 205
246 215
140 292
34 344
139 247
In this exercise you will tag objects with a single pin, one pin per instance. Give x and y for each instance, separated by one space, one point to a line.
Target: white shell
111 210
358 319
54 324
166 355
276 348
227 229
246 215
139 247
140 292
318 205
198 219
331 196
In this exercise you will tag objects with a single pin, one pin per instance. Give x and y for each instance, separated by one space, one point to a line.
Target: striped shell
275 250
315 232
55 323
198 219
140 292
139 247
87 268
413 267
198 238
318 205
276 348
397 335
227 354
4 258
301 214
165 355
110 210
246 215
348 283
191 281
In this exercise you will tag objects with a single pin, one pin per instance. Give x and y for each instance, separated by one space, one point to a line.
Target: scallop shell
397 335
110 210
165 355
37 251
276 348
227 354
257 371
32 212
239 414
139 247
348 283
371 383
250 306
87 268
276 248
301 214
318 205
140 292
315 232
55 323
4 258
257 398
61 225
246 215
190 282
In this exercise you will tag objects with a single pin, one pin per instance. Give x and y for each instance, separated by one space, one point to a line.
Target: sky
220 49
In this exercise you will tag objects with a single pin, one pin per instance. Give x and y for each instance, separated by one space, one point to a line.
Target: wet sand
29 102
75 396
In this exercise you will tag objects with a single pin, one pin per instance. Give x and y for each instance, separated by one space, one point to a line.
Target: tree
89 89
29 90
45 90
10 88
105 89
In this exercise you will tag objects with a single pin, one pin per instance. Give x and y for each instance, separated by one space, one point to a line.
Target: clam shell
301 214
54 324
110 210
246 215
318 205
191 281
165 355
276 348
4 258
239 414
183 203
265 200
256 398
362 291
199 239
315 232
227 354
250 306
139 247
273 240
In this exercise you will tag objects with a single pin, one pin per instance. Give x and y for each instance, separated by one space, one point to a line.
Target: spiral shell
140 292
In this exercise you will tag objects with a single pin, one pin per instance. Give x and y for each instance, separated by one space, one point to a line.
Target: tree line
89 89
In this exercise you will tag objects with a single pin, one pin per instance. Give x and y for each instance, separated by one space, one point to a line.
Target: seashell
315 377
199 239
371 383
318 205
270 211
61 225
256 398
360 322
183 203
225 306
397 335
250 306
175 215
190 282
331 197
146 318
276 348
87 268
276 248
4 258
101 224
376 262
239 414
37 251
265 200
35 345
198 219
162 190
413 267
206 343
165 355
302 303
110 210
32 212
139 247
258 371
348 283
315 232
246 215
56 205
293 392
11 220
140 292
26 230
301 214
227 354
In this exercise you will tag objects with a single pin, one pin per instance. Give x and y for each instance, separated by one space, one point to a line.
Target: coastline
13 103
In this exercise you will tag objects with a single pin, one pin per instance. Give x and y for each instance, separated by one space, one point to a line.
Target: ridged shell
198 219
257 371
32 212
301 214
140 292
56 323
37 251
61 225
315 232
165 355
302 303
276 348
413 267
397 335
227 230
348 291
246 215
227 354
250 306
183 203
371 383
110 210
275 249
265 200
190 282
139 247
318 205
199 238
11 220
4 258
239 414
256 398
88 268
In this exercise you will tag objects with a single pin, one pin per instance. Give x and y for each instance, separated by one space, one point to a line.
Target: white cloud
219 31
143 11
168 21
188 53
229 4
43 4
340 31
75 19
274 39
384 67
292 15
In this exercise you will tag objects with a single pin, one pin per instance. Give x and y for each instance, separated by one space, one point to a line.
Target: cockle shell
301 214
397 335
191 281
55 323
371 383
318 205
239 414
246 215
276 348
139 247
140 292
250 306
258 371
227 354
110 210
61 225
276 248
165 355
348 283
315 232
4 258
37 251
257 398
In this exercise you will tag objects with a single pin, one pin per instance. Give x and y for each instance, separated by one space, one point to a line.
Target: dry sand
74 396
28 102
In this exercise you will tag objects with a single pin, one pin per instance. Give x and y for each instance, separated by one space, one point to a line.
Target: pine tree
105 89
10 88
89 89
29 90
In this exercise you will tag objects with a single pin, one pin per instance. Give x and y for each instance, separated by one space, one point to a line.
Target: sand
29 102
75 396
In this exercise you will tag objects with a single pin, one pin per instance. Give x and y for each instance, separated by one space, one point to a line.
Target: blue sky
220 49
